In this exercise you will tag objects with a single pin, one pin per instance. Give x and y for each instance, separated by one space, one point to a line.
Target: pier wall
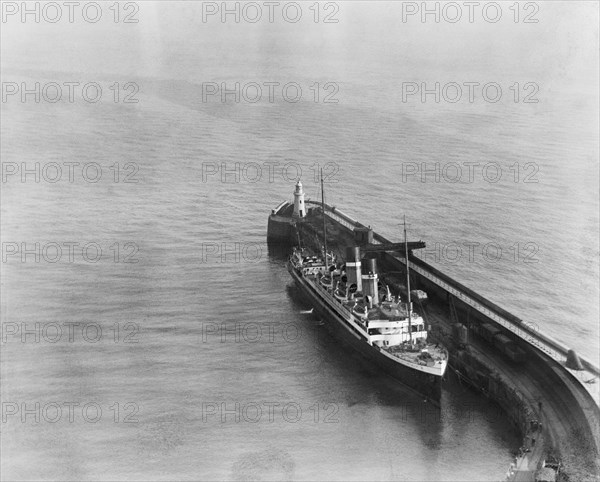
483 377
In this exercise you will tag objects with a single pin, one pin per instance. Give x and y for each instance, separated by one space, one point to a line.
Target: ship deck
436 353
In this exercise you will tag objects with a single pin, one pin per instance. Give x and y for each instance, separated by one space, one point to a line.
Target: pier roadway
569 425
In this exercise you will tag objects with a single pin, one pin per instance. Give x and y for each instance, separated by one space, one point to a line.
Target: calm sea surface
180 366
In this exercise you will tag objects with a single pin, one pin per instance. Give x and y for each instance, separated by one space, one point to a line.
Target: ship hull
427 385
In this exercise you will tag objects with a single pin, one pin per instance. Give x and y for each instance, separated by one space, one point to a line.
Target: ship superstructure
388 327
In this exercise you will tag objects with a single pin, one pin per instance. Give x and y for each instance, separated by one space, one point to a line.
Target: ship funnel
353 267
369 280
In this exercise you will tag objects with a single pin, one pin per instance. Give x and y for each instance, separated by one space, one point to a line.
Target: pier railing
553 348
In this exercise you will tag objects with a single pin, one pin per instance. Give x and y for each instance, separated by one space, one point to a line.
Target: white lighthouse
299 209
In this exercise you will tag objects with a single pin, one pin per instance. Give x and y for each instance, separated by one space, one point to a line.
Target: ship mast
324 227
408 304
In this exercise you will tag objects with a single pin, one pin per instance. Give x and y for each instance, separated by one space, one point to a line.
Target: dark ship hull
430 386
